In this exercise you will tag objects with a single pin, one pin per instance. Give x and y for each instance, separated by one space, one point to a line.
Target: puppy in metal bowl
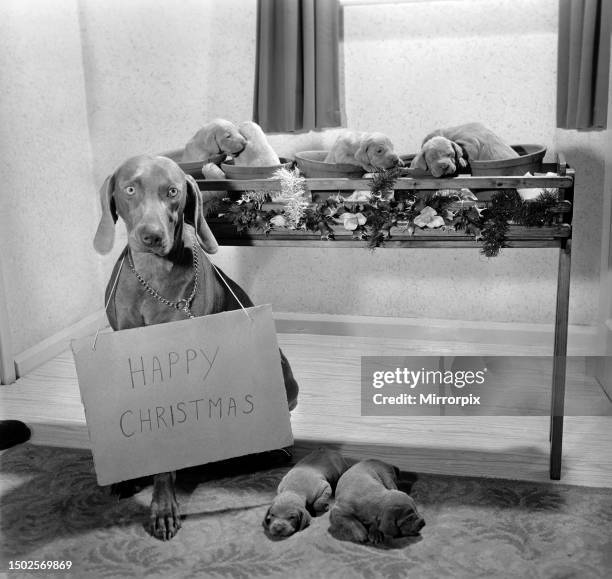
370 151
446 151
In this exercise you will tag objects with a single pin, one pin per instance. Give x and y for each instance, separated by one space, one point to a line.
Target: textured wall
147 78
47 197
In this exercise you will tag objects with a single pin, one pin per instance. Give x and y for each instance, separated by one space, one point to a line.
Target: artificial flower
278 221
352 221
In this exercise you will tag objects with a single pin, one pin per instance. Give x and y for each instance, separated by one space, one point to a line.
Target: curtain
583 64
297 70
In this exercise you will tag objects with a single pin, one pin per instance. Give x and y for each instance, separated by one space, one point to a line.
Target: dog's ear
194 215
419 161
105 235
387 522
459 154
217 134
361 154
266 520
203 145
409 522
304 519
404 519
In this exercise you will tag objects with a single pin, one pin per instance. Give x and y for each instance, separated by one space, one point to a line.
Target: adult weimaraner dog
167 276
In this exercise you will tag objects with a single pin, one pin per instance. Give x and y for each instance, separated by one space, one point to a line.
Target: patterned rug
52 510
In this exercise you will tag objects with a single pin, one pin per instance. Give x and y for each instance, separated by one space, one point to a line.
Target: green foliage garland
372 219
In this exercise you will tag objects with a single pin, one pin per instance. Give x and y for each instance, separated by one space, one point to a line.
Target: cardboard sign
180 394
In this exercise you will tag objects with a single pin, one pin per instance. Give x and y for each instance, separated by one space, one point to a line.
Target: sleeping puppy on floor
306 488
370 151
257 151
370 508
213 142
444 151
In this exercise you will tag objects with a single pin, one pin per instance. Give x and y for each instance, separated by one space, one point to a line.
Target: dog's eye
130 190
173 192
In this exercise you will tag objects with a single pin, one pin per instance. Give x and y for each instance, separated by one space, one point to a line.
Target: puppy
371 151
308 486
444 151
370 508
257 151
213 142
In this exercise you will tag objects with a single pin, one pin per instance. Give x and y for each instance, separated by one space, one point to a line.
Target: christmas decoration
371 219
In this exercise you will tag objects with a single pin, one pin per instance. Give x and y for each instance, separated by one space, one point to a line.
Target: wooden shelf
518 236
318 189
402 184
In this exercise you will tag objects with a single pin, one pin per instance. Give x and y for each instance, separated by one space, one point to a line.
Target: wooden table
557 235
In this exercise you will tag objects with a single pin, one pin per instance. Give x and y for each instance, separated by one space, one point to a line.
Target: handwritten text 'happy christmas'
193 365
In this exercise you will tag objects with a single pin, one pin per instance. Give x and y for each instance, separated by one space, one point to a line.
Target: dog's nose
278 529
241 147
151 237
420 524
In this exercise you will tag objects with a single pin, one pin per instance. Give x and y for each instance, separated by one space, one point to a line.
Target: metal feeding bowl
312 164
529 161
241 172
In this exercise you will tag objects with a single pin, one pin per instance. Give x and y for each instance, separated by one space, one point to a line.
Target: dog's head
252 132
399 516
154 197
287 515
375 151
257 151
440 156
224 137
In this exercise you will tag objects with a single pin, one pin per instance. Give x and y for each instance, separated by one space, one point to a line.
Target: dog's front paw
321 506
165 519
375 536
346 527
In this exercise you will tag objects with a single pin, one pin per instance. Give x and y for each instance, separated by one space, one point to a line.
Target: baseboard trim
7 371
582 340
44 351
603 365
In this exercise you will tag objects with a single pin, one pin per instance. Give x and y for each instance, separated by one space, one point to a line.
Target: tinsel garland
293 188
373 218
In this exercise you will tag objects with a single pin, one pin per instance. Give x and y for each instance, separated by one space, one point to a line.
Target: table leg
559 361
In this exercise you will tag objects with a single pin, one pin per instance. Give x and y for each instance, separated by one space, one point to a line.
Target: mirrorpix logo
420 382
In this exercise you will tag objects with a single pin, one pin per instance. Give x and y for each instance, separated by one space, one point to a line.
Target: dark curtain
583 64
297 71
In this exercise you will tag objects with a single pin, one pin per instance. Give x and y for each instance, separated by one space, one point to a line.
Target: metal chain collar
183 304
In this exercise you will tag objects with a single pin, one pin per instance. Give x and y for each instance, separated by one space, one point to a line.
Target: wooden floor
328 371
